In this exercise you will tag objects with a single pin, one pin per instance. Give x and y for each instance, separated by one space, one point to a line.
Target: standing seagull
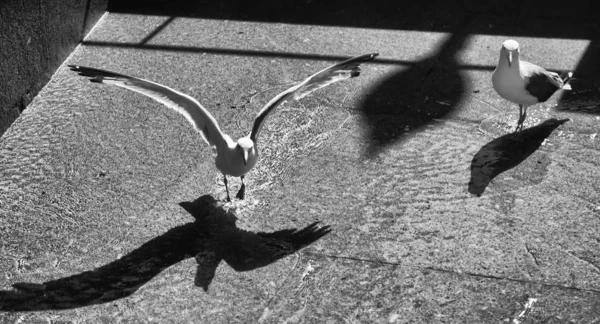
524 83
233 158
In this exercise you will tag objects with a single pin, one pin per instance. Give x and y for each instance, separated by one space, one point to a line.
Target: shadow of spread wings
189 107
213 237
341 71
245 251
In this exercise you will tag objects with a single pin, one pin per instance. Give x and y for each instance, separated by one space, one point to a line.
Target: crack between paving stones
270 305
460 273
485 102
583 260
529 250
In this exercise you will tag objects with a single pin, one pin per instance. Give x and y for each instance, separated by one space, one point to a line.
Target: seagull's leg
226 188
521 119
524 115
240 194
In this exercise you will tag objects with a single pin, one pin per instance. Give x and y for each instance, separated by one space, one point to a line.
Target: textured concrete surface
36 37
436 215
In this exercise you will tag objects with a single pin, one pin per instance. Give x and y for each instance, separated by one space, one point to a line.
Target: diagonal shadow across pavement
404 101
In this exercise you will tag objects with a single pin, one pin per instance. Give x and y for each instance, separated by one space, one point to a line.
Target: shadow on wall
404 101
506 152
36 38
211 238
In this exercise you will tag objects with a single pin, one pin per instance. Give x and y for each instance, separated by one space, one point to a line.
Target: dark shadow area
405 100
85 19
506 152
429 20
211 238
585 96
382 14
496 18
157 30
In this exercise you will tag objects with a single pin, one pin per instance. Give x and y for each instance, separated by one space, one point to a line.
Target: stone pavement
111 209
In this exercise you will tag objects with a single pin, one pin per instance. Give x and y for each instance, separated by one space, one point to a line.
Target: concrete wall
35 38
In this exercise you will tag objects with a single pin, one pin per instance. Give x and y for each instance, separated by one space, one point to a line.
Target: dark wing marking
341 71
539 82
191 109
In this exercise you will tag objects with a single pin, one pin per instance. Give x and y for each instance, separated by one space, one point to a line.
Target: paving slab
111 208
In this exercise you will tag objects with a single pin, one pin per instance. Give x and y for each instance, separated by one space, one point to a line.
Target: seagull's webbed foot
240 195
516 135
226 188
517 129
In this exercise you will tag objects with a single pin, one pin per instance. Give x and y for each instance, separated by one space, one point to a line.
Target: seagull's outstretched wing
200 118
341 71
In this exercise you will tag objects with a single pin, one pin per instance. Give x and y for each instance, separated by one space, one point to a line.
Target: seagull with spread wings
524 83
233 158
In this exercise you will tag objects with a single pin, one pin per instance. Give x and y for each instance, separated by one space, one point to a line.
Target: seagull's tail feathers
341 71
566 77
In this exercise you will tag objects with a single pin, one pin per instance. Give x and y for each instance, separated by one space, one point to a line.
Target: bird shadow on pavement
405 100
211 238
506 152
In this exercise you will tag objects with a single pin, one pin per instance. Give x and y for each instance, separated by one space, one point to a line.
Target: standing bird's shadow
506 152
211 238
406 100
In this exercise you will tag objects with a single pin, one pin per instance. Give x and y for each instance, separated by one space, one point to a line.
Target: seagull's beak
509 58
245 157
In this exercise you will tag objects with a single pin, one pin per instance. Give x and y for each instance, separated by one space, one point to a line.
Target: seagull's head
510 49
244 146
